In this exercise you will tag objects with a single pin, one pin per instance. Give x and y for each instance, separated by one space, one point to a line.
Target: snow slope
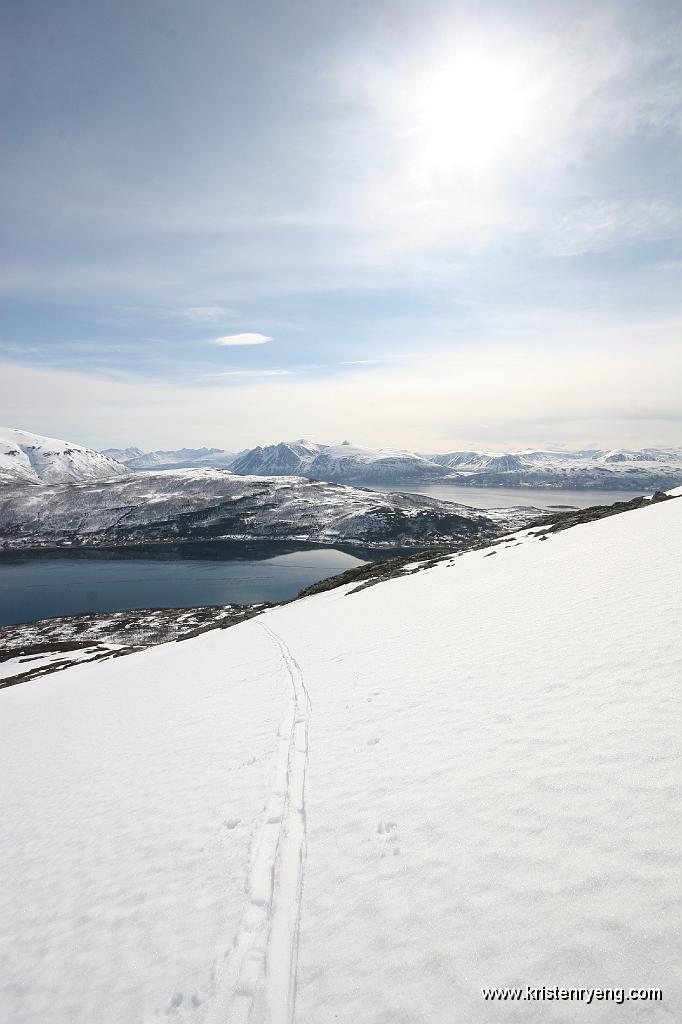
473 784
31 458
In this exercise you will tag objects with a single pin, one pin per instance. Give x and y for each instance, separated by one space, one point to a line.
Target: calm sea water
43 584
506 497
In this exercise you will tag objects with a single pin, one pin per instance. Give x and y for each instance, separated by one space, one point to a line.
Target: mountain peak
27 458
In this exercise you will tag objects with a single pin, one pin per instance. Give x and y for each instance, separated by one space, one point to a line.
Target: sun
467 113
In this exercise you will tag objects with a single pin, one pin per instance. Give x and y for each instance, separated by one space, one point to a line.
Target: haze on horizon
422 225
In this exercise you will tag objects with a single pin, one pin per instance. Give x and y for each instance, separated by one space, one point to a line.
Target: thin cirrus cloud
253 373
205 314
241 339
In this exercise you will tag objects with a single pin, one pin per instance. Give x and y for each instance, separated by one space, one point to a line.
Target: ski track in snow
266 946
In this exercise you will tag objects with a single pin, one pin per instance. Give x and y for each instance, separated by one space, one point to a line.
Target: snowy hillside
364 807
31 458
347 462
205 504
181 458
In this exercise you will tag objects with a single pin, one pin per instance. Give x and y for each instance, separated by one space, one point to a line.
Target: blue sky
456 224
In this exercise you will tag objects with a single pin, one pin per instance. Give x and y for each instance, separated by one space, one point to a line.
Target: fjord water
508 497
45 584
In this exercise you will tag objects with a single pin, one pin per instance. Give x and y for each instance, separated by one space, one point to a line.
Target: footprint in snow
389 829
175 1002
177 999
232 822
373 741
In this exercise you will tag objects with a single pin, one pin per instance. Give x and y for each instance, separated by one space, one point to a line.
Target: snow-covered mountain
123 455
34 459
365 807
211 504
647 468
345 462
180 458
617 469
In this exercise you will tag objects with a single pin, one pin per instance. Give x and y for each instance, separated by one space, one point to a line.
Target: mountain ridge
605 469
28 458
176 505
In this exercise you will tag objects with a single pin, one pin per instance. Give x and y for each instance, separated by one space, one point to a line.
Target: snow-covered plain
364 807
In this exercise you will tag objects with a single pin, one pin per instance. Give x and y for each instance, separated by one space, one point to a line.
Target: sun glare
467 113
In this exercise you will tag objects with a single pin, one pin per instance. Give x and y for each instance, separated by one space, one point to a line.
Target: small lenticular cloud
242 339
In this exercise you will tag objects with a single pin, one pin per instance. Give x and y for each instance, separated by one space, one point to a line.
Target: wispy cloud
241 339
495 397
422 198
253 373
206 314
599 226
361 362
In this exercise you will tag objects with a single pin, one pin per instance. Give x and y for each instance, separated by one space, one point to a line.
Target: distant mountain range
345 462
616 469
61 494
621 469
30 458
182 458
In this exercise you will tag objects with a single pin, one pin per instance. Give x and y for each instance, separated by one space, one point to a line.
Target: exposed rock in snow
31 458
51 645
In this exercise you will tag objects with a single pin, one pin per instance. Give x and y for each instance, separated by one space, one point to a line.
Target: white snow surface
365 807
32 458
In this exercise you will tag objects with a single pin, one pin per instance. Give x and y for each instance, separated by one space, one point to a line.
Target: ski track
266 946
